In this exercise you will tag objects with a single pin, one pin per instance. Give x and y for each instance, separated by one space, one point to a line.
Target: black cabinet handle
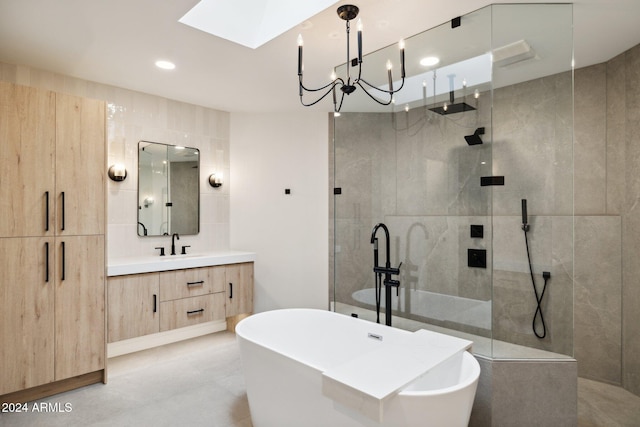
46 221
62 220
230 290
189 313
155 303
198 283
63 261
46 262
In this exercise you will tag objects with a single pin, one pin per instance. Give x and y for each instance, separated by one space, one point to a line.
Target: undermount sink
180 256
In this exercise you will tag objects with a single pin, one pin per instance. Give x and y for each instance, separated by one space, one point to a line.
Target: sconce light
215 179
117 172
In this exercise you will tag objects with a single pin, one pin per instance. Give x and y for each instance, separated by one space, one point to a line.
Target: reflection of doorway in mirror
183 213
168 189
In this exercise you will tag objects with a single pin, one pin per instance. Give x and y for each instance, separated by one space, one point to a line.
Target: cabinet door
240 289
80 165
133 304
79 305
27 314
27 144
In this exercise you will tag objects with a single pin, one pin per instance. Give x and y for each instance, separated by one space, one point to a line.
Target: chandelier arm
316 101
332 84
337 110
390 92
328 91
373 97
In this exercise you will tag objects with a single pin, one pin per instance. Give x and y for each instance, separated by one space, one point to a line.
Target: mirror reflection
168 189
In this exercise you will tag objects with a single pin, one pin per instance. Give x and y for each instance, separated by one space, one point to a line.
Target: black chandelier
348 12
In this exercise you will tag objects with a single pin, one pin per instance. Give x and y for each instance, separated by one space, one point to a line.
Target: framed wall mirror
168 189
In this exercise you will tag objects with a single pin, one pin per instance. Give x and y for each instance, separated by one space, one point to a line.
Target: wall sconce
117 172
215 179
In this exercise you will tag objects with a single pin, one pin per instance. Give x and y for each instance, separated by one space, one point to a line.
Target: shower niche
465 141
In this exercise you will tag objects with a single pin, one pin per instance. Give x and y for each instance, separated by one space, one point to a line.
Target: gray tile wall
631 225
607 293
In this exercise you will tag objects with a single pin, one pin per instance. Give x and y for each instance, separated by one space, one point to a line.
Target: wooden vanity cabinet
52 247
133 306
240 289
147 303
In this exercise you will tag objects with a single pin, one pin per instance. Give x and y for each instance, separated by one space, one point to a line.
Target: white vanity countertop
149 264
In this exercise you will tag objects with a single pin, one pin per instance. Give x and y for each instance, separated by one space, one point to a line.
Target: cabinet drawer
178 284
191 311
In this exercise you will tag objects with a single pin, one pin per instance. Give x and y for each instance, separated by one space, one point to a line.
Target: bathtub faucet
387 271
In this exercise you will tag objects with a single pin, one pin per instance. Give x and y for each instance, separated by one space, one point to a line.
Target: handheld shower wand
545 274
525 218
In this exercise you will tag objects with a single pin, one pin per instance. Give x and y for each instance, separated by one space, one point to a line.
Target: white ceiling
117 42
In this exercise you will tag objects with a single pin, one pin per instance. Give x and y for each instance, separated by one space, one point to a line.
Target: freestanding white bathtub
286 353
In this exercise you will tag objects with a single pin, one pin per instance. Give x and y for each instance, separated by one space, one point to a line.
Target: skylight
251 23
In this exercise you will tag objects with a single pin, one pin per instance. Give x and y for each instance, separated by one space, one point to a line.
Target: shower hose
545 275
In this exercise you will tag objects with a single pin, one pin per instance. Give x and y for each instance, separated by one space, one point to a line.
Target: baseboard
145 342
56 387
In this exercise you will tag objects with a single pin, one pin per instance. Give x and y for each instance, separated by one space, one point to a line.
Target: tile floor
199 382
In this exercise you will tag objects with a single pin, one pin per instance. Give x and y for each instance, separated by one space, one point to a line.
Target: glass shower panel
446 168
417 167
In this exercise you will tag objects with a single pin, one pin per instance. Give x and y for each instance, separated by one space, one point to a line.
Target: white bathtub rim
472 377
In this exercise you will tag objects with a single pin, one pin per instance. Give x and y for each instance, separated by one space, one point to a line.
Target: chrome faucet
174 236
387 270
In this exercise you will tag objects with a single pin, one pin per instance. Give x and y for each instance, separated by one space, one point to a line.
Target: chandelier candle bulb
300 42
389 76
360 41
401 44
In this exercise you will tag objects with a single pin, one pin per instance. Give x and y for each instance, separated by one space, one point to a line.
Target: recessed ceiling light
429 61
165 65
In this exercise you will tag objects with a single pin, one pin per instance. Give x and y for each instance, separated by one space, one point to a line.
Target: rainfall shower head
452 108
475 138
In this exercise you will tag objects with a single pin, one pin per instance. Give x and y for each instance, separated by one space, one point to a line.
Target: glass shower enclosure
471 170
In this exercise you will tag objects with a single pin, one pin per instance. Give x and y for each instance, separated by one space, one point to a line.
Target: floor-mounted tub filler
307 367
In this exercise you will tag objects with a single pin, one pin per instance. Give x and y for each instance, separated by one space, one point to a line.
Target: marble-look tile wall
607 295
134 116
629 64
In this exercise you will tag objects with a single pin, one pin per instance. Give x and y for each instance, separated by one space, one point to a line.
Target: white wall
289 233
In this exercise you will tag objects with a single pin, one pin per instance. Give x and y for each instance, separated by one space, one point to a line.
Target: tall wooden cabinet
52 243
